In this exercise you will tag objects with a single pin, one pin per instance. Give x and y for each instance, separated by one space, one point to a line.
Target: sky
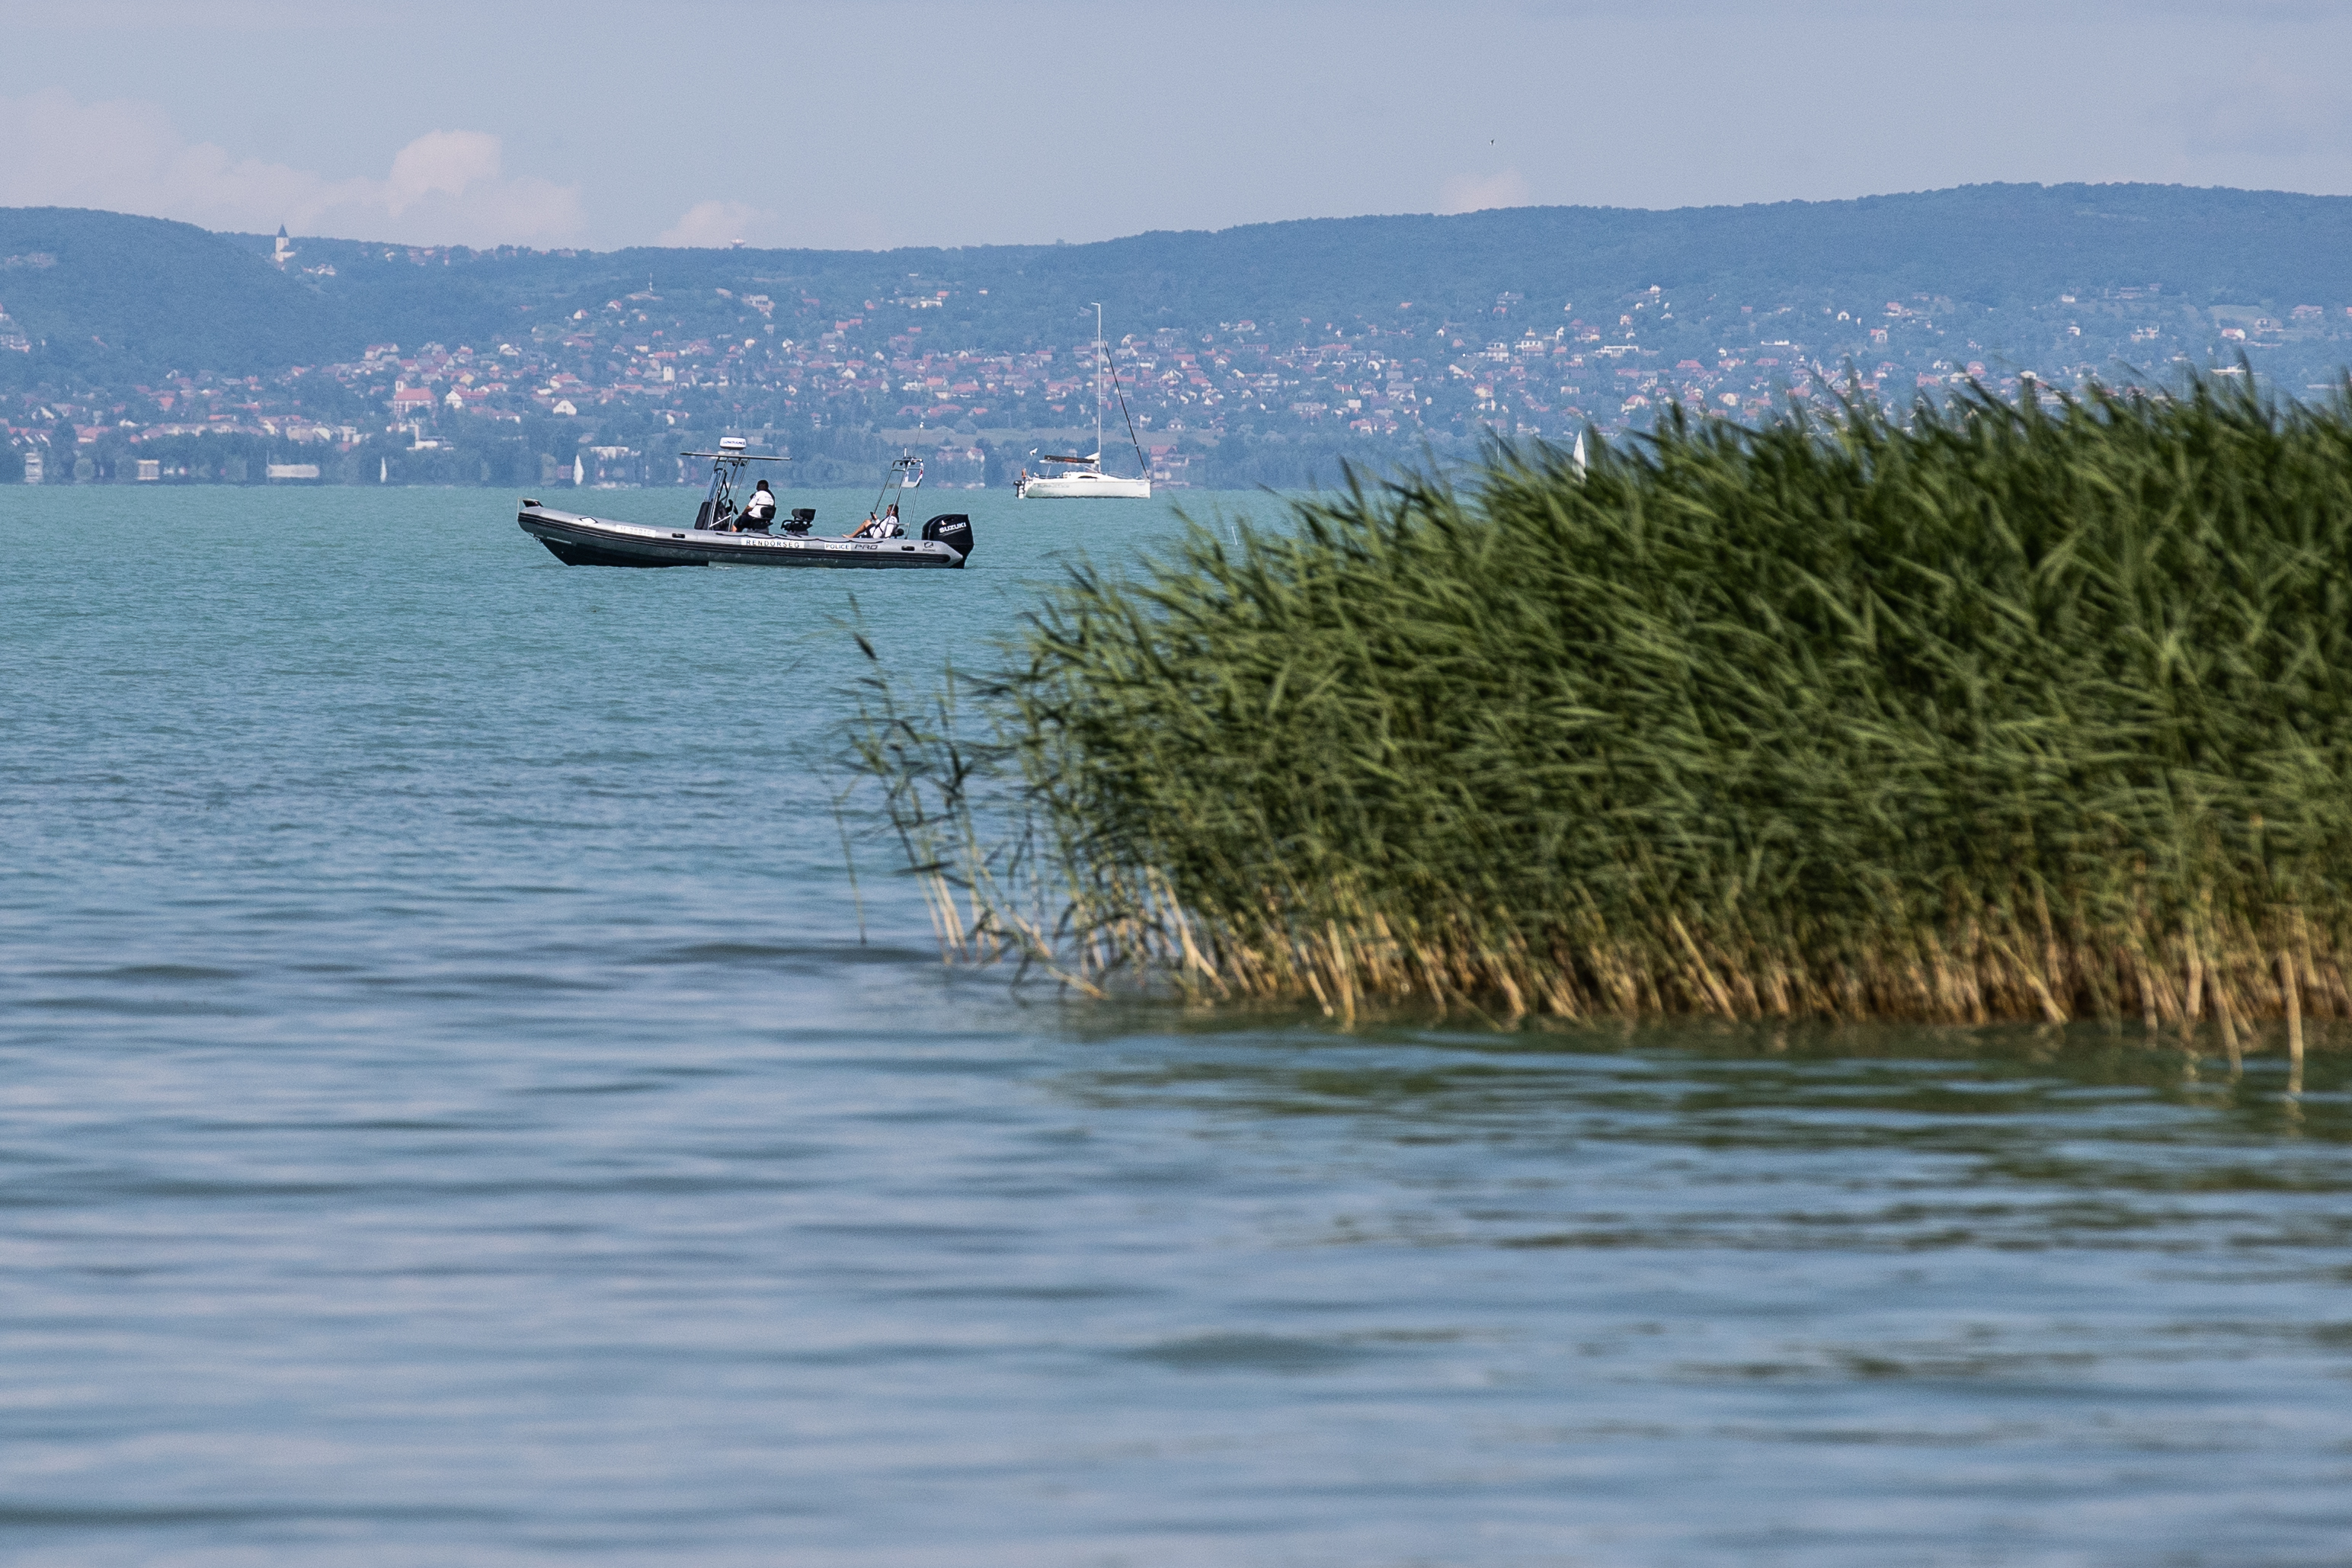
927 123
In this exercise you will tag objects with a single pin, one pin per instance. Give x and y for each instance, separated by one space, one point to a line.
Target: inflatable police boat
723 536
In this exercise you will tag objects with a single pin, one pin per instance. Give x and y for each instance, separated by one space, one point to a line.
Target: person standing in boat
760 509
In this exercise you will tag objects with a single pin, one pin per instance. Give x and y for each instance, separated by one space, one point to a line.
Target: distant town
607 393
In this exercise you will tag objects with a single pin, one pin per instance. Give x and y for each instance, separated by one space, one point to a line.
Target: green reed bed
1991 714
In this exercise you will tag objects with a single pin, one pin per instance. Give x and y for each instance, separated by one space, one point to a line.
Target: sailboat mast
1100 355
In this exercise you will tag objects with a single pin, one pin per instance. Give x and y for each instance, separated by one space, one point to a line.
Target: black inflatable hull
573 553
578 541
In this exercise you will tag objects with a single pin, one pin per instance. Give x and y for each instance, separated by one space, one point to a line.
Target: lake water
448 1115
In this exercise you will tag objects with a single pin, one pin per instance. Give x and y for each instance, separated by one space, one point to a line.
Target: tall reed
1998 713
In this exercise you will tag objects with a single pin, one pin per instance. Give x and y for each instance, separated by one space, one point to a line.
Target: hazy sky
920 122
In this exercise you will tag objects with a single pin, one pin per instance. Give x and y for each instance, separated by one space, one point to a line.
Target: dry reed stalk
1343 978
2190 1009
1314 986
2294 995
1719 999
938 902
2229 1029
2051 1011
1193 963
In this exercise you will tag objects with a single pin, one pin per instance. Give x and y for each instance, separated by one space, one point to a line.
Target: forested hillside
1255 354
99 294
162 294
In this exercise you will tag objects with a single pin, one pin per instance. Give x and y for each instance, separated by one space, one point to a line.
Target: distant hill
101 293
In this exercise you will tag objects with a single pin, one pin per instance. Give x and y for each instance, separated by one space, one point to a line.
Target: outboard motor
952 529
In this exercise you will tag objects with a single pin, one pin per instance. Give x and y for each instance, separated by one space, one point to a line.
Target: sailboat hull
1069 486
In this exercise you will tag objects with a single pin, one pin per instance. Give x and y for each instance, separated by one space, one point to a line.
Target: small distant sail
579 474
383 471
1575 458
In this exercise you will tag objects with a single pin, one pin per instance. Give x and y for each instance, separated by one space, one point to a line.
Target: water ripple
455 1107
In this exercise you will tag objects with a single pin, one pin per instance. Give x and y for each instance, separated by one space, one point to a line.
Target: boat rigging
1084 476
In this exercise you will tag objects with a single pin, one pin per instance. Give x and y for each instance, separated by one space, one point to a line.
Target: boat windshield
719 504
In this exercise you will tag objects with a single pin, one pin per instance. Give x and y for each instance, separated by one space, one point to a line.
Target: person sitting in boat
760 509
887 526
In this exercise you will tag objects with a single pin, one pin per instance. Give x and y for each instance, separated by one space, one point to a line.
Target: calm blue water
448 1116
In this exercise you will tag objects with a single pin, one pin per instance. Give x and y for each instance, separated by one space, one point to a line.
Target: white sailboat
1084 476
